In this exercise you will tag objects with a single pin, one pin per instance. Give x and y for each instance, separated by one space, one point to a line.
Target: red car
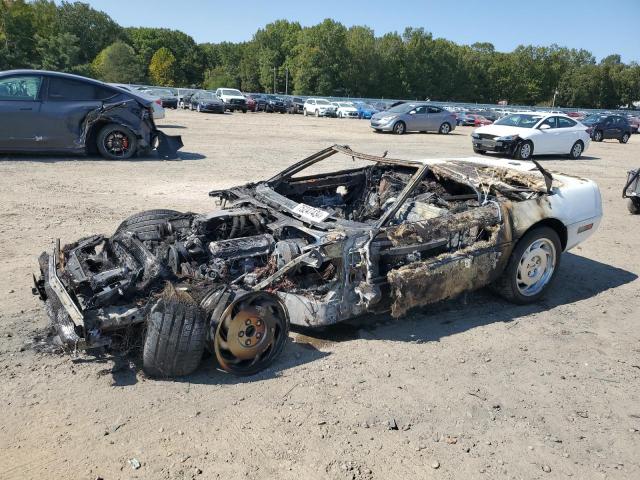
635 123
251 103
479 120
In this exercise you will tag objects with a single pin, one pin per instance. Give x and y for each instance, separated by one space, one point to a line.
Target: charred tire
633 204
518 287
445 128
624 138
576 150
399 128
175 337
477 150
598 136
524 151
146 221
116 142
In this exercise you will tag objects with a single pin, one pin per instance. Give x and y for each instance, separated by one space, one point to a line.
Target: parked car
158 111
472 120
602 127
345 110
366 110
204 101
314 250
521 135
233 99
410 117
274 103
251 103
50 112
634 121
168 99
319 107
260 101
185 102
295 105
181 92
631 191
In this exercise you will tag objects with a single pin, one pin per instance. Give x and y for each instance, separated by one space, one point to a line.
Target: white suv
233 99
317 106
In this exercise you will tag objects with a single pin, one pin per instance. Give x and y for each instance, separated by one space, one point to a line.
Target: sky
601 27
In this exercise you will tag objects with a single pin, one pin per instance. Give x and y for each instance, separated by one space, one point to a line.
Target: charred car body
631 191
53 112
314 250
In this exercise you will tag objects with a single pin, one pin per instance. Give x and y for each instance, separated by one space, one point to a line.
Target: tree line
323 59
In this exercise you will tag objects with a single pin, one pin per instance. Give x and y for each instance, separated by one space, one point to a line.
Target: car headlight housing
507 138
388 117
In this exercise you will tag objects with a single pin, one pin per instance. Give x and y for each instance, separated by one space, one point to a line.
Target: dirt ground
472 388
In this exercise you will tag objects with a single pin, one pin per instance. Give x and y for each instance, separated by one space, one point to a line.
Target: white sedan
522 135
345 109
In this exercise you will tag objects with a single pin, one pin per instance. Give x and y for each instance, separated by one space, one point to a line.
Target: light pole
553 103
274 80
286 81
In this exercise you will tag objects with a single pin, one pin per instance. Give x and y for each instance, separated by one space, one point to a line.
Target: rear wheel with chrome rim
399 128
598 136
532 266
445 128
576 150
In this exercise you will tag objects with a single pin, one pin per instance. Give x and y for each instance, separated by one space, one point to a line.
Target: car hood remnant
312 250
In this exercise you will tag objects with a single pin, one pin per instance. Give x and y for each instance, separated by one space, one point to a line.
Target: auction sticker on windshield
310 213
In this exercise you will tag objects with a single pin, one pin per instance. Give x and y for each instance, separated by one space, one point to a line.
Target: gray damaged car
50 112
385 235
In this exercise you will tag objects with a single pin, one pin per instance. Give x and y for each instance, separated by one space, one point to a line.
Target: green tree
58 52
162 68
118 63
17 31
218 77
96 30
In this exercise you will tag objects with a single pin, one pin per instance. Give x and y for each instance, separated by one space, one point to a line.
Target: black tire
576 150
477 150
598 136
624 138
116 142
507 285
444 129
399 128
145 224
317 113
175 337
633 204
244 110
524 150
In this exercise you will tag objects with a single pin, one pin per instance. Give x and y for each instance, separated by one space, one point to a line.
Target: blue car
365 110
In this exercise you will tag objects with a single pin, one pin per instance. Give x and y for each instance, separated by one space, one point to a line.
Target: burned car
631 191
50 112
384 235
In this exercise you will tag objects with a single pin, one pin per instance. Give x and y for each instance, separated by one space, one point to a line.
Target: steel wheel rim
251 332
525 150
117 144
577 150
536 267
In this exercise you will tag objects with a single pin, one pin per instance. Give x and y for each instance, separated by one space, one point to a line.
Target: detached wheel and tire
524 150
598 136
633 204
175 337
399 128
624 138
576 150
116 142
532 267
445 128
251 333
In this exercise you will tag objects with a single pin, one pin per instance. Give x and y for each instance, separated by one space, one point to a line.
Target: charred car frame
314 250
51 112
